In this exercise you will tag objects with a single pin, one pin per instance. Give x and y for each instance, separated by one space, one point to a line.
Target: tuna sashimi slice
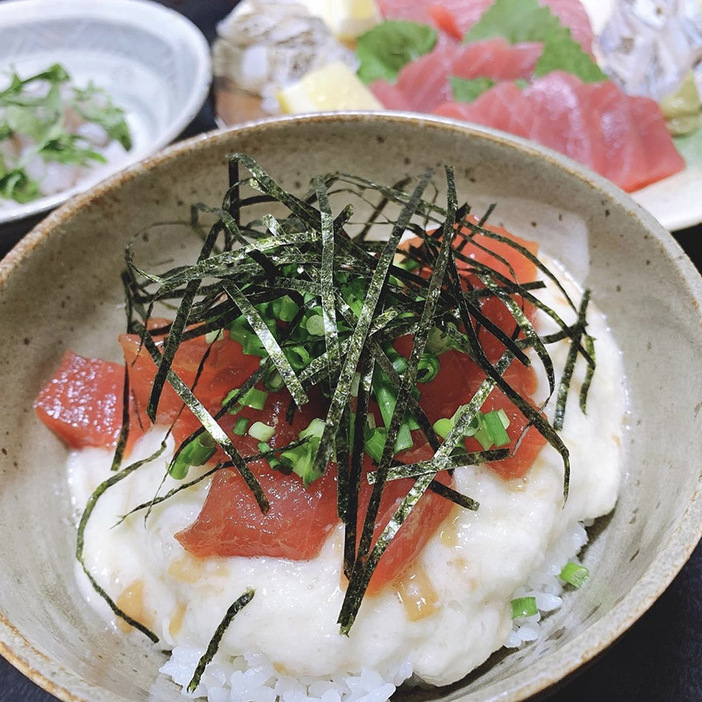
662 158
494 108
425 81
497 59
565 119
621 137
625 154
390 95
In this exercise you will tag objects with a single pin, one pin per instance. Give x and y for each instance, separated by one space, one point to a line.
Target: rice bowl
590 215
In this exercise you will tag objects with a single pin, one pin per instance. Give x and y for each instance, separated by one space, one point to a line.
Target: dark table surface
658 659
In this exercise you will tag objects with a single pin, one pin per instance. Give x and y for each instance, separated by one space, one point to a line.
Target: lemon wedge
347 19
331 87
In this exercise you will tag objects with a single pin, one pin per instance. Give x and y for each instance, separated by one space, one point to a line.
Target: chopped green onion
495 426
524 607
374 443
252 346
314 428
196 453
427 368
404 438
298 356
574 574
355 384
213 335
443 426
240 426
273 380
285 309
239 330
301 461
437 341
254 398
315 325
261 431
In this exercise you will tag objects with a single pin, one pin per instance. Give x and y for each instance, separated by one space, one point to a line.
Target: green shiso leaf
467 90
390 45
527 20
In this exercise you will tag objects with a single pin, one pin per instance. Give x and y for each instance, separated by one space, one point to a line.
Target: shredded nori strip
212 647
333 266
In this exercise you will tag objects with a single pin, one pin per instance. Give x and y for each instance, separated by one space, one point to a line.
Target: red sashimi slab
82 403
300 520
623 138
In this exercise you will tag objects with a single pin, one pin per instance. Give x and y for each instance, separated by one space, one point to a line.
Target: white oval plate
152 61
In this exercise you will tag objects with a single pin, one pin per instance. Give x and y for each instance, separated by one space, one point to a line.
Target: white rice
252 678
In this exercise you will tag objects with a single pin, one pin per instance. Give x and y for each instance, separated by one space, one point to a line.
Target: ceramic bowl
60 289
152 61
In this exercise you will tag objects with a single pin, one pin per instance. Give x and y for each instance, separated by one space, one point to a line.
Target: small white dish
152 61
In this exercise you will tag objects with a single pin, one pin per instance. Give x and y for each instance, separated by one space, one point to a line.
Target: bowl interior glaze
60 289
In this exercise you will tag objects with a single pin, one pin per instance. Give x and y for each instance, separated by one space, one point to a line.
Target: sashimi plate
673 201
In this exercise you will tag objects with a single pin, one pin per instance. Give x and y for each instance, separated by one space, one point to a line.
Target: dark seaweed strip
486 215
357 340
567 331
398 471
210 425
232 198
400 197
124 428
386 365
268 186
378 209
216 639
527 254
533 415
331 336
342 457
526 327
229 222
221 265
269 342
454 496
172 342
361 575
589 373
564 385
364 567
80 539
353 484
410 374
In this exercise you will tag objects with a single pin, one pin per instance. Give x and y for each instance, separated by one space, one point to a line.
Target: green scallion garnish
574 574
524 607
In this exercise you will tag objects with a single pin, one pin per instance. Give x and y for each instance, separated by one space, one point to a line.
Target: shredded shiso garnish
320 299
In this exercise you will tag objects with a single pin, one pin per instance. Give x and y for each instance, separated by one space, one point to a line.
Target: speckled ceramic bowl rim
599 635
